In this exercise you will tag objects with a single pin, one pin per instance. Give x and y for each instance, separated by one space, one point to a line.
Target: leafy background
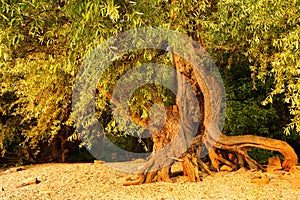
255 44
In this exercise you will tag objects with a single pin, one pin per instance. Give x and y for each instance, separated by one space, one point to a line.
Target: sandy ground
101 181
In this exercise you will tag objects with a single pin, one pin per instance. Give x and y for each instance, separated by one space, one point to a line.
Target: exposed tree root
238 145
190 168
233 149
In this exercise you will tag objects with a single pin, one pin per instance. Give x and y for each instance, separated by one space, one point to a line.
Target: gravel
99 181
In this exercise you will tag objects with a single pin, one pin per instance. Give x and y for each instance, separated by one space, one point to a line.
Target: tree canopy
255 44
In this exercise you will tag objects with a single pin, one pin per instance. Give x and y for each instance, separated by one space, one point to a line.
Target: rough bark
237 144
223 150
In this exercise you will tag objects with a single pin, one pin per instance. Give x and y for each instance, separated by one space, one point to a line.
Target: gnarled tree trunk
173 139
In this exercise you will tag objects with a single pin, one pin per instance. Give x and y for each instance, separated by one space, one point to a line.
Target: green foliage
261 155
267 33
43 44
244 112
35 79
141 100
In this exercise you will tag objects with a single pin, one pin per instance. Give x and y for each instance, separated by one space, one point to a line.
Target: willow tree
179 125
172 139
43 45
227 30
